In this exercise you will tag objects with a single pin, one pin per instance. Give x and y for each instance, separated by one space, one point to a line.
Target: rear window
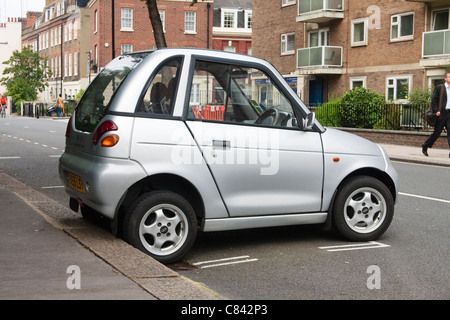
96 100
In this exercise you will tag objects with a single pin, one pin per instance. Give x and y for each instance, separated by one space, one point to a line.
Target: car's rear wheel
161 224
363 209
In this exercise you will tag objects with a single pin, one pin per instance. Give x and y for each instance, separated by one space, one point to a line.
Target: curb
152 276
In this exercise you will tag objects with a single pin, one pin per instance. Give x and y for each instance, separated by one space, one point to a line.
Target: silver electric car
172 142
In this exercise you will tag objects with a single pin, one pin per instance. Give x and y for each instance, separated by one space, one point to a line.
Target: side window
159 98
235 94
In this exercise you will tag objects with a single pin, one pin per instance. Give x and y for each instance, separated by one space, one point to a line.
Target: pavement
49 252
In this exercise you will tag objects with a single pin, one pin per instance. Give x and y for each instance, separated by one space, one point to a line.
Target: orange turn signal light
336 159
110 141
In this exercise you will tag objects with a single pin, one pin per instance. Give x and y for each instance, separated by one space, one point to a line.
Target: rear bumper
105 180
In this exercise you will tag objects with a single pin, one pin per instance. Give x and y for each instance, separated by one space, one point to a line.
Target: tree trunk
155 19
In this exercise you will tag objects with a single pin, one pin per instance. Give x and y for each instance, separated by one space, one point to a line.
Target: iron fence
385 117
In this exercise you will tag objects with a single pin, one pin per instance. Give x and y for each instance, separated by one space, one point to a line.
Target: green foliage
25 74
328 114
420 97
361 108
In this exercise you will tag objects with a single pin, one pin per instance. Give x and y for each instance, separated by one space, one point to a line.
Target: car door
262 162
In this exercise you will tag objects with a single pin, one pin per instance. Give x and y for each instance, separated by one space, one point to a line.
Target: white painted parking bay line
223 262
9 158
355 246
423 197
53 187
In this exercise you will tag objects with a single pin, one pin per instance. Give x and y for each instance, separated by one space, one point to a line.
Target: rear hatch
91 120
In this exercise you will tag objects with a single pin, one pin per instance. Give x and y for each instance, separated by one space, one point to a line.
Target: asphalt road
409 262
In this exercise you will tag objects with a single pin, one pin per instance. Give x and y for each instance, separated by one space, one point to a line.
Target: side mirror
308 122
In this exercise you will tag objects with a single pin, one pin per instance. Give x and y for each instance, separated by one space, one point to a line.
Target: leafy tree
361 108
155 20
25 75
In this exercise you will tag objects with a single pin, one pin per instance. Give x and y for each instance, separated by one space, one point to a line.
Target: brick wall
408 138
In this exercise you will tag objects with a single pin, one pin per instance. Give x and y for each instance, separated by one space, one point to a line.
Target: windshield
96 100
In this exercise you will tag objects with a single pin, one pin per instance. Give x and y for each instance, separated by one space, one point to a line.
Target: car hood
340 142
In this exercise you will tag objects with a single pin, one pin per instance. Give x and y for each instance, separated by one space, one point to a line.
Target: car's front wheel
363 209
161 224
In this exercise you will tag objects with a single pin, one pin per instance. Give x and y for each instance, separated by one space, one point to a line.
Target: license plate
75 182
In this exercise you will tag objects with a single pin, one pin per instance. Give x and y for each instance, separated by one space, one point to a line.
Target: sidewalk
40 239
438 157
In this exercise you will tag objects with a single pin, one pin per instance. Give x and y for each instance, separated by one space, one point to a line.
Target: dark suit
442 121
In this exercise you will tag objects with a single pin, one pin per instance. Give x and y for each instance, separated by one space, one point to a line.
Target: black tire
162 224
363 209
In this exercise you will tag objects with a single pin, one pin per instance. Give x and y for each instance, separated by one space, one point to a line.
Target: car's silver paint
151 146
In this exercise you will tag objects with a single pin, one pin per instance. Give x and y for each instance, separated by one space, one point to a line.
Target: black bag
430 117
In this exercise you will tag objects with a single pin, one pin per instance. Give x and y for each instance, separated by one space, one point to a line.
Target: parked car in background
69 106
172 142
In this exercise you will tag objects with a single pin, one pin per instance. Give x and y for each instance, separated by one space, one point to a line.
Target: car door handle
222 144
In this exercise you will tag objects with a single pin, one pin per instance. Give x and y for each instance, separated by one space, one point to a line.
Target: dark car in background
69 106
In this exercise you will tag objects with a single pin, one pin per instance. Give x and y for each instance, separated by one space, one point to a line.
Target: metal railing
384 117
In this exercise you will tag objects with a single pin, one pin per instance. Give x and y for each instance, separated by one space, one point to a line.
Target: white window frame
187 16
124 46
323 35
231 12
284 44
75 64
162 15
362 79
75 30
95 21
248 19
394 86
365 22
285 3
126 19
399 37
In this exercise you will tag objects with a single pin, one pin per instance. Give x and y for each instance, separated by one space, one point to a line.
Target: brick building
232 30
326 47
59 33
184 26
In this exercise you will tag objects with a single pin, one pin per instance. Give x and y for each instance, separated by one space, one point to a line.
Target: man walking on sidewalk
441 107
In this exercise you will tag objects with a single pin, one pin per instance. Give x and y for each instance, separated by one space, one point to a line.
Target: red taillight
69 127
104 127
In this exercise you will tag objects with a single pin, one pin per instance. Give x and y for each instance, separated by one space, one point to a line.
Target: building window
318 38
126 48
95 21
229 18
189 21
70 64
75 64
287 2
248 19
288 43
75 30
441 20
127 19
402 26
359 32
229 48
357 82
398 87
162 15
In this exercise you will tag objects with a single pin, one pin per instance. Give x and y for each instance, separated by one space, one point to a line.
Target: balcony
320 11
320 60
436 49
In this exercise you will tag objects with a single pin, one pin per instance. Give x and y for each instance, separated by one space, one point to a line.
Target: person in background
442 110
60 105
3 106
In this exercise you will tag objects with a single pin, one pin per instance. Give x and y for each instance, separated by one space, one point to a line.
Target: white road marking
355 246
223 262
423 197
9 158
